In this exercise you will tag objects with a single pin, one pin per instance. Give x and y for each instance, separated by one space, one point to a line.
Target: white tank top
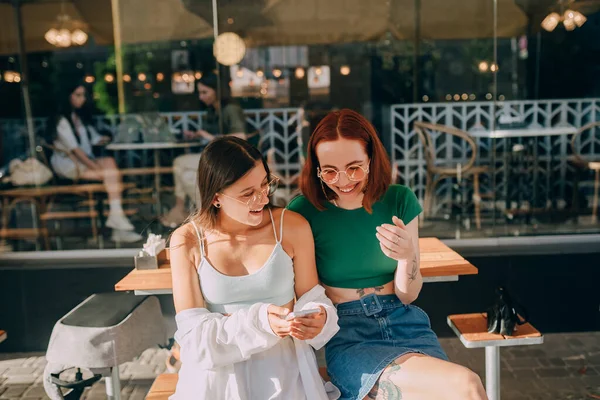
272 283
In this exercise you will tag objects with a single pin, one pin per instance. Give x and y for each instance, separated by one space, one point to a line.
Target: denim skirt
374 331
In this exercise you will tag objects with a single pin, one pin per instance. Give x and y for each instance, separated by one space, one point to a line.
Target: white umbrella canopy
280 22
145 21
264 22
141 21
37 18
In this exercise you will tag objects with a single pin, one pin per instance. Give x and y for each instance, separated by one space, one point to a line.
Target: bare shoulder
184 243
291 219
295 226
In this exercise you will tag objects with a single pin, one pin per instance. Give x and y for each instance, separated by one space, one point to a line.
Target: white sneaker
119 221
119 235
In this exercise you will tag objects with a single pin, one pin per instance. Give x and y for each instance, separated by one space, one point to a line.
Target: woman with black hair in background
72 135
220 112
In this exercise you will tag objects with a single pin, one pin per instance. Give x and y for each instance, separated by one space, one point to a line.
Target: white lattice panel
551 175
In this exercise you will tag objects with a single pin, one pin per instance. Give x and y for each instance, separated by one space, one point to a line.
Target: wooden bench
472 332
51 215
22 233
163 386
2 336
145 171
43 196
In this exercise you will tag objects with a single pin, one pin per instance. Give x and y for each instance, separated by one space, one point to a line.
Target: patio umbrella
298 22
140 21
36 17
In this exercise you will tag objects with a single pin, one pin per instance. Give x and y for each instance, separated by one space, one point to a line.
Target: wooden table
532 131
531 134
439 263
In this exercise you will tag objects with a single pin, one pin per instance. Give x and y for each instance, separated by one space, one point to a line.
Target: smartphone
302 313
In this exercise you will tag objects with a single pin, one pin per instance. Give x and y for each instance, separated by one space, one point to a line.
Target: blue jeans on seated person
374 331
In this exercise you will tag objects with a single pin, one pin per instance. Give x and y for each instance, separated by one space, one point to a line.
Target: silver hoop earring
218 205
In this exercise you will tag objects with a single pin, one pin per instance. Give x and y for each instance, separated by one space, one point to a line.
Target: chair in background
585 163
437 172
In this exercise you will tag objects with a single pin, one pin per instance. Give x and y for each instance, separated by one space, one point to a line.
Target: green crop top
347 250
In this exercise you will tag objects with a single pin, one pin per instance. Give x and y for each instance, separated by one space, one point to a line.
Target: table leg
595 199
157 180
113 384
492 372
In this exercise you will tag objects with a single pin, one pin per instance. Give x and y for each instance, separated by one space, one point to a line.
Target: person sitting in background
72 135
219 111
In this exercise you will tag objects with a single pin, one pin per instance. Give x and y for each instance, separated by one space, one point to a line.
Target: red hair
351 125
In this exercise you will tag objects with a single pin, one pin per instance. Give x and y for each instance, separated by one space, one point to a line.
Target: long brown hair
351 125
223 162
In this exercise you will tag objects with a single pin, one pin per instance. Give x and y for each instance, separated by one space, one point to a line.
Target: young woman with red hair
367 252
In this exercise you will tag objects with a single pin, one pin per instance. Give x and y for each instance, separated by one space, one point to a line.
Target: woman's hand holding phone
306 327
277 320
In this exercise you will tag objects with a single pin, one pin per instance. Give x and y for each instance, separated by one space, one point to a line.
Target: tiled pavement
566 366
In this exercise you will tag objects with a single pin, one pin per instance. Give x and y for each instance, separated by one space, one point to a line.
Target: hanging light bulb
260 73
345 70
160 77
579 18
276 72
89 79
63 39
551 21
483 66
127 78
66 32
229 49
569 20
299 73
79 37
9 76
109 78
198 75
51 35
142 77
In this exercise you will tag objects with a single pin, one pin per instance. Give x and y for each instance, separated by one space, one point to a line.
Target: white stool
472 332
98 335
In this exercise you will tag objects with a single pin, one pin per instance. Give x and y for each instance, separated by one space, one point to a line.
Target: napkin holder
145 261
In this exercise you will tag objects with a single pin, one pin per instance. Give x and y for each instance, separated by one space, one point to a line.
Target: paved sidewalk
566 366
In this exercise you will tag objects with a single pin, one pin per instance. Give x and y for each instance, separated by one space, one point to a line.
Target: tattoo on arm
412 276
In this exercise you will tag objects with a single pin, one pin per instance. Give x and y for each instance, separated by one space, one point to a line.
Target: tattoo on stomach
364 291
